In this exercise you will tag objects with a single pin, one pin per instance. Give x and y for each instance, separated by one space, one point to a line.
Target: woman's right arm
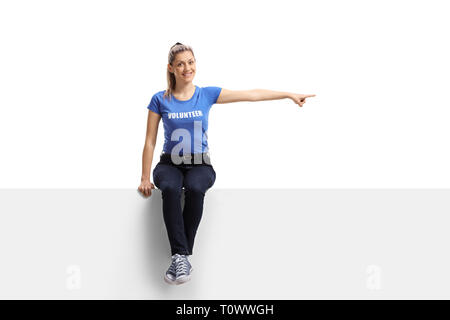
147 156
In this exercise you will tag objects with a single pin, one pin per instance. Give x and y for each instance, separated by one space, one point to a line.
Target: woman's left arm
227 96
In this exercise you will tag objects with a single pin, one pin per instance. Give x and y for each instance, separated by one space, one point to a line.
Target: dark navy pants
182 223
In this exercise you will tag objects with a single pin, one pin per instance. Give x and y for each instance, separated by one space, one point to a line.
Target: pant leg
197 181
169 179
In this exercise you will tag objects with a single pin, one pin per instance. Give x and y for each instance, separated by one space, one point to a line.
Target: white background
77 76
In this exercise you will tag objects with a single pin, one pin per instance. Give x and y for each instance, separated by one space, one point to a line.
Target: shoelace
182 265
172 268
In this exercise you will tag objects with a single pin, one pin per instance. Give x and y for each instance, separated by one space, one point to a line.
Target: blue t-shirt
185 122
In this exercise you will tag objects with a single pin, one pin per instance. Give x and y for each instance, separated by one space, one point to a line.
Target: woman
184 161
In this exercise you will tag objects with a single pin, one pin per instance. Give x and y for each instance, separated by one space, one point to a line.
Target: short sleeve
154 104
212 94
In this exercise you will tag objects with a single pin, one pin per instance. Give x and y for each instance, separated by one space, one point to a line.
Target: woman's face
183 66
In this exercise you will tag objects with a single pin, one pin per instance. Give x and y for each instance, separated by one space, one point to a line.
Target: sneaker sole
184 279
168 280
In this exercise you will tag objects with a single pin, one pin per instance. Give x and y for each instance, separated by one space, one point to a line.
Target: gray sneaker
183 269
171 273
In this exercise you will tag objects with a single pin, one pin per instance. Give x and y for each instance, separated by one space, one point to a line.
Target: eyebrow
183 61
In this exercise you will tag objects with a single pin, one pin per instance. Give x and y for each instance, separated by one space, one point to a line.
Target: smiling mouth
187 74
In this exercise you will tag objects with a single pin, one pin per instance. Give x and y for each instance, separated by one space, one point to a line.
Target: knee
170 188
196 189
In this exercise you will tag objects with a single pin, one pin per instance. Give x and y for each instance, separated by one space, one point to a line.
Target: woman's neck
184 92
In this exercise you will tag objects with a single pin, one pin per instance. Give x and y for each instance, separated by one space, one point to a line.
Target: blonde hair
174 50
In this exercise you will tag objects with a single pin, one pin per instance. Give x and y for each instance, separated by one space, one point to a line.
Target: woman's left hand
300 99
